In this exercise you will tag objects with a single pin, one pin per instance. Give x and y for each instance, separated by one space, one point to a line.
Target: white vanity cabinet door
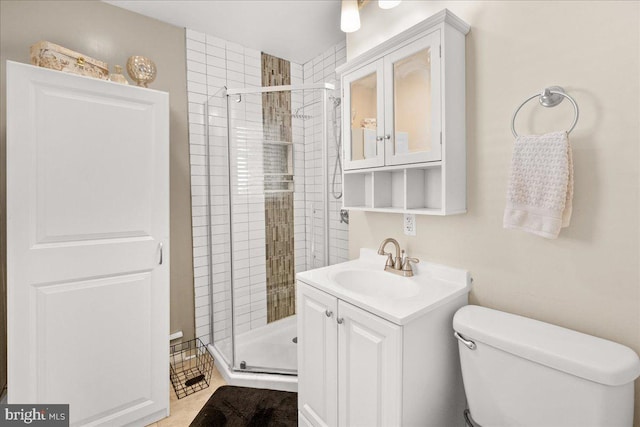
317 356
349 364
369 369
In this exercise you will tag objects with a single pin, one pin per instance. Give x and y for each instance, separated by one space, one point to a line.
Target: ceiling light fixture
388 4
350 17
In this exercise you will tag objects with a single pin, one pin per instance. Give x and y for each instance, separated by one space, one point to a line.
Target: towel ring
550 97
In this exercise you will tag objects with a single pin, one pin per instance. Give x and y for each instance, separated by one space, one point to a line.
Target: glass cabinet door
412 102
363 117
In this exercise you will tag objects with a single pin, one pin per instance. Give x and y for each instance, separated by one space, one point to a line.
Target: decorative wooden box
49 55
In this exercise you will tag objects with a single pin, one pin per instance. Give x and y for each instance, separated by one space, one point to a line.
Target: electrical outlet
410 224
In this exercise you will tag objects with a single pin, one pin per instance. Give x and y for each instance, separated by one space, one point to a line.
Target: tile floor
184 410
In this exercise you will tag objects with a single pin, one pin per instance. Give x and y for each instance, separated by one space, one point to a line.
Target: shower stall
274 177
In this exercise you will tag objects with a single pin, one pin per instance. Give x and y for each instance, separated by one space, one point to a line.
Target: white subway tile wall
212 64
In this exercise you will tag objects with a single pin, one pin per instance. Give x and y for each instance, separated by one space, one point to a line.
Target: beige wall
589 278
112 34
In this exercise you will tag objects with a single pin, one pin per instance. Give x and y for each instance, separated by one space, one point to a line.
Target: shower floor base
264 349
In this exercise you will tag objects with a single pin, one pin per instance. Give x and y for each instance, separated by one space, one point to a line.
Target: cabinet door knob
329 313
379 138
387 137
340 320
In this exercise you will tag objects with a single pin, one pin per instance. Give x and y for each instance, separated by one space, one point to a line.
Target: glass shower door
210 197
270 187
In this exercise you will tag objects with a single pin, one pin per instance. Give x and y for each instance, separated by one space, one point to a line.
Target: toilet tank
524 372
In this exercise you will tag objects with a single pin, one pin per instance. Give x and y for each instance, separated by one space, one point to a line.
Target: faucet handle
406 266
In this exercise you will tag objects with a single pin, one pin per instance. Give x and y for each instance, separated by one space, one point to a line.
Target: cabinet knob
379 138
329 313
340 320
387 137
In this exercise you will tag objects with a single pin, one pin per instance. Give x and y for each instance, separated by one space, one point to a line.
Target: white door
317 356
369 369
87 246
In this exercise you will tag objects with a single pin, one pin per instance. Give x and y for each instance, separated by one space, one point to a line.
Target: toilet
521 372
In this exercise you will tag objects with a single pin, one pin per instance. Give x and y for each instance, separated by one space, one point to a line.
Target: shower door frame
229 92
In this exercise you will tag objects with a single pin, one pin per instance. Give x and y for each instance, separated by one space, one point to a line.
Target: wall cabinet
359 369
404 108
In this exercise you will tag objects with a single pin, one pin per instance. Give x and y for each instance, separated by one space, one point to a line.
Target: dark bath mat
232 406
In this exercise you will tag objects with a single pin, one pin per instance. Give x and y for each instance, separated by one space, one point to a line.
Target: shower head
296 114
301 116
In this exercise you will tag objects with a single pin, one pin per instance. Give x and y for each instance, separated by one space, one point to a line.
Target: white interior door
88 246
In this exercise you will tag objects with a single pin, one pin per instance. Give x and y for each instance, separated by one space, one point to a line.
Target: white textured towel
540 187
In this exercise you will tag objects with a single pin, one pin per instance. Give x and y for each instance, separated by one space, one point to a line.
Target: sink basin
379 284
364 283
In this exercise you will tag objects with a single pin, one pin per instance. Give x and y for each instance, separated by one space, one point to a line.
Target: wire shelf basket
191 366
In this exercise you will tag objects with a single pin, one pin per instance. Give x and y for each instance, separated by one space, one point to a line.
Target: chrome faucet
400 265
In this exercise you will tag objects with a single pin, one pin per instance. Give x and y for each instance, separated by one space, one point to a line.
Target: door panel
87 226
369 373
363 105
92 175
412 102
58 308
317 356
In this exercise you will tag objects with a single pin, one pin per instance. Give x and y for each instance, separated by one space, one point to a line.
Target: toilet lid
586 356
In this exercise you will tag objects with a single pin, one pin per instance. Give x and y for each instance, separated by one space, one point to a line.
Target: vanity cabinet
404 121
356 368
348 349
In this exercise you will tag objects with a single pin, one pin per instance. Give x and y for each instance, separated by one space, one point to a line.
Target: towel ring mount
550 97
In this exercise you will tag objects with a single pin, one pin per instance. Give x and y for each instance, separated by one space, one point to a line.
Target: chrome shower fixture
297 115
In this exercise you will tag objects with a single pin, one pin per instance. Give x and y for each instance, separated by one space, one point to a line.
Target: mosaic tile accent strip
279 224
281 298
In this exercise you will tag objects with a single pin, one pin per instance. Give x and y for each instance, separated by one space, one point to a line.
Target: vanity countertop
431 286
